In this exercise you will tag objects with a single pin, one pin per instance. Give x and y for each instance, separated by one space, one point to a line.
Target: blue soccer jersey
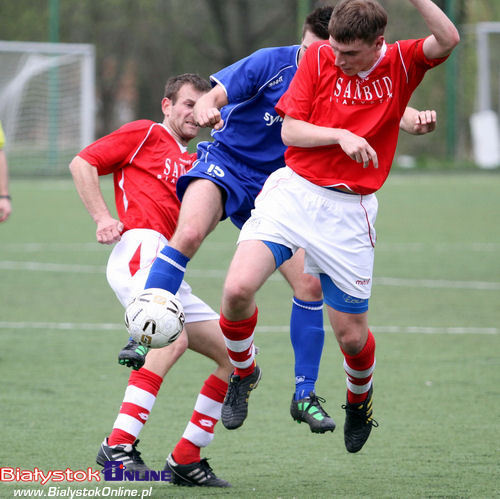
248 148
252 128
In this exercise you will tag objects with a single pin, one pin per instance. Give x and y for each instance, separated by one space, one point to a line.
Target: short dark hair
175 83
357 20
317 22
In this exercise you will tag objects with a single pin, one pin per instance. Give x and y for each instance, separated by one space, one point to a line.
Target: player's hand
358 149
425 122
5 209
109 231
208 117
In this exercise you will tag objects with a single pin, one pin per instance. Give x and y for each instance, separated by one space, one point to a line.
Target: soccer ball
154 318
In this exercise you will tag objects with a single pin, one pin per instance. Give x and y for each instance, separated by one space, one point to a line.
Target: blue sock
308 336
167 270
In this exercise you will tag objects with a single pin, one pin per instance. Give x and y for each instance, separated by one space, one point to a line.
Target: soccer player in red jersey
341 120
146 160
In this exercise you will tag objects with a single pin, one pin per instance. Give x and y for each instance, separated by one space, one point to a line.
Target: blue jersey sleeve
243 79
252 127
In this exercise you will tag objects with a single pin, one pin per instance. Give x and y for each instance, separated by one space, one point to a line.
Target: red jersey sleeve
114 151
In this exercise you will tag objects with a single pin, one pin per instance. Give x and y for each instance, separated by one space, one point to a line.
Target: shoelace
233 392
206 467
136 454
315 402
361 414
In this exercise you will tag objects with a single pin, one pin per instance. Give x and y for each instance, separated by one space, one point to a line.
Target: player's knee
307 288
188 238
351 339
178 347
237 295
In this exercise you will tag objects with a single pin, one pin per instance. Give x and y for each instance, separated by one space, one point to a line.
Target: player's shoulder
280 55
321 47
137 125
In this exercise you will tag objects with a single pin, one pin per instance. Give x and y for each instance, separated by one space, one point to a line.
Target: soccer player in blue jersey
224 182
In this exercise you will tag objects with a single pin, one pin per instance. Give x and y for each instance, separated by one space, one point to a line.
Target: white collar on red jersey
364 74
182 147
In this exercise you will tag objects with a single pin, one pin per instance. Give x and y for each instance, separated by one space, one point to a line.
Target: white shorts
335 229
128 269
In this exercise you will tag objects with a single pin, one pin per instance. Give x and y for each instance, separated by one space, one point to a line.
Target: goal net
47 104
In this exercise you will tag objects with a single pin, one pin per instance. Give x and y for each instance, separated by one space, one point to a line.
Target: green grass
436 389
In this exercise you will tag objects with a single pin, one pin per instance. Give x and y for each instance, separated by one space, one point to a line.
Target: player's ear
379 42
166 105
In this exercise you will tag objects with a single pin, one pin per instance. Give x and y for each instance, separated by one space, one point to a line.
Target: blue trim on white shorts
338 300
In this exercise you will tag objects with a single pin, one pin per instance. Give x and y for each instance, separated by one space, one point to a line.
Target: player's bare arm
87 185
444 37
418 122
207 109
303 134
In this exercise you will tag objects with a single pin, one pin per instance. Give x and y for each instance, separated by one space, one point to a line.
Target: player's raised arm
418 122
206 110
86 181
444 37
303 134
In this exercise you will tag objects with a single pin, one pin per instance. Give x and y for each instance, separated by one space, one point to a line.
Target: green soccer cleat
308 410
133 355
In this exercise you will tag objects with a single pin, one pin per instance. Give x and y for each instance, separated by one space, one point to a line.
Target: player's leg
126 272
185 462
307 336
252 264
140 396
348 317
201 211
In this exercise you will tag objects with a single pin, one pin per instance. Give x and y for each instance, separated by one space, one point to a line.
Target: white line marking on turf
218 245
85 326
436 283
53 267
218 273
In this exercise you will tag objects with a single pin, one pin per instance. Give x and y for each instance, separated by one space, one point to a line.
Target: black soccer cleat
197 474
133 355
235 406
358 423
308 410
127 453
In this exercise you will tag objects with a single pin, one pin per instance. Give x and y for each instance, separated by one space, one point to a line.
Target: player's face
179 115
356 56
307 40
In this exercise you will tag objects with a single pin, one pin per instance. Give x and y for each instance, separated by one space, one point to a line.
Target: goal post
485 128
47 104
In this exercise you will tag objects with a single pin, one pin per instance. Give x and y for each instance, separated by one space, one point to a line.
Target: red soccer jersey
371 107
146 162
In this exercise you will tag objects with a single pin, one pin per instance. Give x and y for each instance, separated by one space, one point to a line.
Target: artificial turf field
435 312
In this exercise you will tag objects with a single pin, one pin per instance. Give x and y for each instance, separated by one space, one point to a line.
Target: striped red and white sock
140 396
359 369
238 336
199 431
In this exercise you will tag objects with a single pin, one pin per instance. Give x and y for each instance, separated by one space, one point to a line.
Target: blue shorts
239 183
